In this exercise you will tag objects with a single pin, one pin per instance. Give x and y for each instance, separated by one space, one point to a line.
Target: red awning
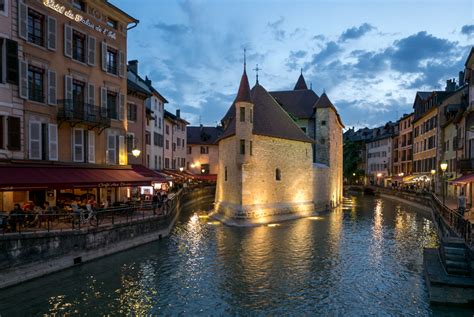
465 179
156 177
23 177
208 177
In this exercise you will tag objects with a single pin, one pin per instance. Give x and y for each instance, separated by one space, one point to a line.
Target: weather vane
256 69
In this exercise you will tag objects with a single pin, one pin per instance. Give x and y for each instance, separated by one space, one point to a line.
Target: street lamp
378 178
181 169
444 167
433 172
203 171
136 152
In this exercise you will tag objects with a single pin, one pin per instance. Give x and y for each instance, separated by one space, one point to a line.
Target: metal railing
453 221
78 111
27 223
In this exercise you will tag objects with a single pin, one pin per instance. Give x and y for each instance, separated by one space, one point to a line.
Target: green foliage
352 157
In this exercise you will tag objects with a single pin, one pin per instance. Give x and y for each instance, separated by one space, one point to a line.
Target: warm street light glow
379 175
203 170
433 172
353 174
181 169
193 165
444 166
273 224
401 174
136 152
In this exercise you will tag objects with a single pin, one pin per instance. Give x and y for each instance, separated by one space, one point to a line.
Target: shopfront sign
61 9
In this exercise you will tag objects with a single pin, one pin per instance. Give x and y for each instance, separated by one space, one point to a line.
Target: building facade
175 140
72 88
379 156
203 150
405 145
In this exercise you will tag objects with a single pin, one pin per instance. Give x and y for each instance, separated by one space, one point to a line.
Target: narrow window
278 174
35 27
323 122
251 115
112 61
112 105
78 46
250 148
225 173
79 4
112 23
242 147
242 114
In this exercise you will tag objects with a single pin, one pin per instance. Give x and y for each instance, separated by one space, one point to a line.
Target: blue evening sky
370 56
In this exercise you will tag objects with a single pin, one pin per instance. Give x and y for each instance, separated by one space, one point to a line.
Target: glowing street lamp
433 172
136 152
444 167
181 169
203 171
193 165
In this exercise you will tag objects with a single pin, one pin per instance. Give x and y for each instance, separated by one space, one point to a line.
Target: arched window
278 174
225 174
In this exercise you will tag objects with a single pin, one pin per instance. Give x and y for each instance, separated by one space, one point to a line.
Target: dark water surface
364 258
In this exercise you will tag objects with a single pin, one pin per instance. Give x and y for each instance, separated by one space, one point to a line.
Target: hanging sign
61 9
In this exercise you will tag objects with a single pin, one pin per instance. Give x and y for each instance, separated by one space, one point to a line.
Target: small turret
244 120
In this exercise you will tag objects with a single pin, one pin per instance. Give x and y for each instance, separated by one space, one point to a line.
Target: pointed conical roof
301 83
323 102
244 89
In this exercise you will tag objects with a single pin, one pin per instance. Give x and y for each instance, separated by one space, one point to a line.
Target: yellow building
203 150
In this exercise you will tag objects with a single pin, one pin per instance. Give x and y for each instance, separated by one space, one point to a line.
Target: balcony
466 165
82 113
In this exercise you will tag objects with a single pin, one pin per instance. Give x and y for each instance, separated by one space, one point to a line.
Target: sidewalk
452 203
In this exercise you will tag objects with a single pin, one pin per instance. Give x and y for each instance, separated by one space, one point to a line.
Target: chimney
461 78
450 85
178 113
133 66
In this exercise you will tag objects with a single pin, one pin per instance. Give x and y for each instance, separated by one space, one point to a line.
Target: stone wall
229 190
321 184
262 195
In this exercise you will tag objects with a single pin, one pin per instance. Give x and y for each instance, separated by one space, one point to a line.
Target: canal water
364 258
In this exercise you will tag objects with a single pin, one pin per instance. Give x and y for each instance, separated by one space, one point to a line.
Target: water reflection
363 258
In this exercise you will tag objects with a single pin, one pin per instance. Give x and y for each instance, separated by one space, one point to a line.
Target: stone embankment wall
29 255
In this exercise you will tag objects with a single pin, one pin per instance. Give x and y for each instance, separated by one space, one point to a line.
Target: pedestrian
462 203
16 217
154 203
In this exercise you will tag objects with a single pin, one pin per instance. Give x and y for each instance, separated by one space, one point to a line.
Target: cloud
468 30
330 50
356 32
276 29
293 61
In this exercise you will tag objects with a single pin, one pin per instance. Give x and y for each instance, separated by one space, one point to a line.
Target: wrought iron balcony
466 165
84 113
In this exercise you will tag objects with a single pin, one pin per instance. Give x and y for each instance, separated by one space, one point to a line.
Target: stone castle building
280 155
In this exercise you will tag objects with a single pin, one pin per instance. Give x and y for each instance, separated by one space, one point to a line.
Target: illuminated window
278 174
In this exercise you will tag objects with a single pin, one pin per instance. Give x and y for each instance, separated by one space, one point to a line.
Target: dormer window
112 23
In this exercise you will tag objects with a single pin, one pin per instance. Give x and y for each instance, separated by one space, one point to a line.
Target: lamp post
444 167
378 178
433 172
353 177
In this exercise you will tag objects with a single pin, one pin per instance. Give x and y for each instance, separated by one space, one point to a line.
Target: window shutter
103 101
104 56
22 20
91 147
52 100
53 142
35 141
90 94
78 145
122 150
14 133
110 157
52 33
12 61
67 40
91 50
23 79
121 64
68 90
121 107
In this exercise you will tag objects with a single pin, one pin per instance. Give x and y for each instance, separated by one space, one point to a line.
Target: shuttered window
35 84
35 149
91 147
111 149
121 115
103 102
36 27
52 99
52 142
14 133
23 79
90 94
22 20
78 145
67 40
79 46
122 150
52 33
91 44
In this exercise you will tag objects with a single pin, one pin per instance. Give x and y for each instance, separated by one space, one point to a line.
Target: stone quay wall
30 255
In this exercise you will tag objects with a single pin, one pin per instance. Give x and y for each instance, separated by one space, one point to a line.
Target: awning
156 177
408 179
465 179
24 177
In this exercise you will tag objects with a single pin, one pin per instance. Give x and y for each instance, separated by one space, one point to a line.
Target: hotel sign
61 9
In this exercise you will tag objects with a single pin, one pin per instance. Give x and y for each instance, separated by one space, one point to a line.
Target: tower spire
245 58
256 69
